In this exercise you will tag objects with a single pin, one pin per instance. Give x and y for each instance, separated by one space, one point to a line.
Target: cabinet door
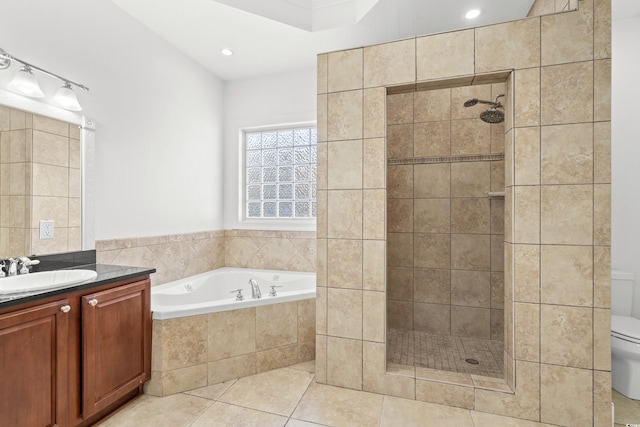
116 348
33 366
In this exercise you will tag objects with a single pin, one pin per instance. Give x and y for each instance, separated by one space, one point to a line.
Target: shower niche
445 228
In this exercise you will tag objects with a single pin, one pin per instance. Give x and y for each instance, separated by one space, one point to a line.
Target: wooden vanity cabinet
33 365
71 360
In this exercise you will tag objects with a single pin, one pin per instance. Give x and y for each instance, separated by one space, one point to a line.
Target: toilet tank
622 284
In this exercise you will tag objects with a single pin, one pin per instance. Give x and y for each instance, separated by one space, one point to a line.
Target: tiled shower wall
183 255
39 179
557 211
445 236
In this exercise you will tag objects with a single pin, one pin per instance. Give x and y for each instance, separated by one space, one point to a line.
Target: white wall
158 114
272 100
625 149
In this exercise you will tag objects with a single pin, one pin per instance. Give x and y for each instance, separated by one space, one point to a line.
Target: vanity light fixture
25 83
472 14
226 52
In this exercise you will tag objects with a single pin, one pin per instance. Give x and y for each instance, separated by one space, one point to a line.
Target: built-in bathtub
203 336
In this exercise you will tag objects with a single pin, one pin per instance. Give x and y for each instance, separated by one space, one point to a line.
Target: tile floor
627 411
445 352
290 397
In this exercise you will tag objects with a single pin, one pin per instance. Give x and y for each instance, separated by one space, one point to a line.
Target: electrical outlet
46 229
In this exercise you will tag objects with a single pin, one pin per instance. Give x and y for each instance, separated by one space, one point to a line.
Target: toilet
625 336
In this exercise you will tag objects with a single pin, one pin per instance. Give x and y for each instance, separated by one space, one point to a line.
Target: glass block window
280 173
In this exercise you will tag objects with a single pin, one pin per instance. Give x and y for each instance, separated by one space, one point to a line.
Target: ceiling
277 36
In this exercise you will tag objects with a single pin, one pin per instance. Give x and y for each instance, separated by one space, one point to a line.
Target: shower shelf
496 194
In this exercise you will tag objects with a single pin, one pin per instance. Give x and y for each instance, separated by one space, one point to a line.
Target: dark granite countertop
106 274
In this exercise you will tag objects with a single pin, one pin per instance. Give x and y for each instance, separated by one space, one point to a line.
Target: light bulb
66 98
25 83
226 52
472 14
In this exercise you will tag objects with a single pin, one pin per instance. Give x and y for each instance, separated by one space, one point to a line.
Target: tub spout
255 289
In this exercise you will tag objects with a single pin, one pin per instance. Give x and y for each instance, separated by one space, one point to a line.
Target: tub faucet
255 289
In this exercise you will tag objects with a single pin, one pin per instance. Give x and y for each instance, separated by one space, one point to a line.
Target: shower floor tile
446 352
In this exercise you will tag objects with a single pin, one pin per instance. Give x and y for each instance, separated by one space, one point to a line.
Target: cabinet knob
93 302
65 308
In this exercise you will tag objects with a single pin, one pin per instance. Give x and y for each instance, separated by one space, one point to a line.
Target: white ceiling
264 45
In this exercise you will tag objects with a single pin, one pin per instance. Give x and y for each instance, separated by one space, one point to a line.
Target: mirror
46 159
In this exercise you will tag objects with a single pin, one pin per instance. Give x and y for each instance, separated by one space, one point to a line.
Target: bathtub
213 291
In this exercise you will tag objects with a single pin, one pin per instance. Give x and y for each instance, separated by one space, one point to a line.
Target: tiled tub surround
557 240
183 255
196 351
39 179
445 236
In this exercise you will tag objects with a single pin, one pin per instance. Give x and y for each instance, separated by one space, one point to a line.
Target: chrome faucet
255 289
12 266
15 266
25 263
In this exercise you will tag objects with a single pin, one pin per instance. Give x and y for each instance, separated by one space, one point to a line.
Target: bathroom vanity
71 356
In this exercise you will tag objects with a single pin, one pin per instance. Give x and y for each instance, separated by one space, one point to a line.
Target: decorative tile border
447 159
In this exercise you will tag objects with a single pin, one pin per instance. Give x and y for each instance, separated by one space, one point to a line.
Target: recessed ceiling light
472 14
226 52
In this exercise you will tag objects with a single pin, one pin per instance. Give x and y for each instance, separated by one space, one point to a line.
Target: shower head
471 102
492 116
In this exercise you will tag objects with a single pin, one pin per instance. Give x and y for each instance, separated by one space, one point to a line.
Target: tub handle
239 296
272 292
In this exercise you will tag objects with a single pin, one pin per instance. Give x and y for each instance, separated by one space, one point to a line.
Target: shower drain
472 361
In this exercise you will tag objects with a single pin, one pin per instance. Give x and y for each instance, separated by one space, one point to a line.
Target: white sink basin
44 280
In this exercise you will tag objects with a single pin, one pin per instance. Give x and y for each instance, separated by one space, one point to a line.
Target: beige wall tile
344 111
602 214
390 63
461 94
432 105
5 118
471 322
321 262
470 136
344 313
276 325
431 318
374 262
470 252
345 214
321 359
445 55
432 286
471 288
497 216
183 379
49 125
400 109
429 215
602 29
400 181
527 214
231 333
50 149
567 37
567 338
374 163
13 146
497 252
343 374
322 219
602 339
432 139
556 383
344 165
400 141
602 90
373 316
322 121
400 315
527 273
445 394
497 176
566 215
184 342
400 215
527 156
519 42
400 283
564 101
526 107
470 215
322 73
344 70
497 137
322 178
602 276
566 275
50 180
275 358
374 112
430 181
307 320
567 154
497 290
344 263
434 250
373 217
400 249
321 310
470 179
602 152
